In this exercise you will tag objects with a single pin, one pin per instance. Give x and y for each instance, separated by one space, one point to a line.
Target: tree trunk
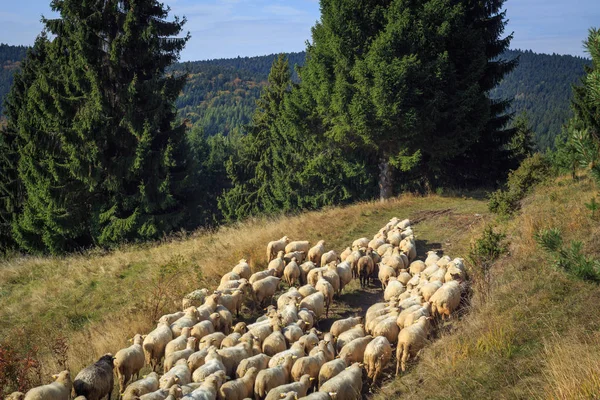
385 179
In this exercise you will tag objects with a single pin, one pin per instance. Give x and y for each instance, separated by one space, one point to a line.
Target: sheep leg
405 355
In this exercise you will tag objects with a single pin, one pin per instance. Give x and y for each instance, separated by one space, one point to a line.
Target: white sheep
393 289
305 269
180 373
275 342
296 350
307 290
276 246
347 384
446 299
212 339
328 257
432 258
377 355
155 343
277 264
388 328
354 350
292 296
196 360
315 252
291 273
342 325
242 269
331 369
362 242
416 267
129 361
180 354
239 389
270 378
259 361
308 365
410 341
232 356
384 275
355 332
297 388
233 302
193 299
264 289
347 251
344 271
429 289
138 388
327 290
298 245
60 389
191 317
315 303
257 276
212 363
199 331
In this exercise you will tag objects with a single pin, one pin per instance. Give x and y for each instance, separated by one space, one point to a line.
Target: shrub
532 171
484 251
569 259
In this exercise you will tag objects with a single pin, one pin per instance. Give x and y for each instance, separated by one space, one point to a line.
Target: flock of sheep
203 355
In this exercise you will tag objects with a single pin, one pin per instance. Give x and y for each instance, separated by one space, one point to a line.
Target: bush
484 251
532 171
569 259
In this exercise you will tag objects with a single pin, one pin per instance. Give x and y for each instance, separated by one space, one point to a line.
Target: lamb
270 378
345 254
377 355
259 361
291 273
385 273
410 341
276 246
327 290
297 246
342 325
232 356
257 276
298 388
310 365
315 303
394 289
212 363
315 252
365 267
60 389
362 242
191 317
138 388
233 302
199 331
264 289
305 269
242 269
354 351
331 369
277 264
446 299
193 299
429 289
330 256
347 384
155 343
129 362
239 389
96 381
417 267
356 332
180 355
196 360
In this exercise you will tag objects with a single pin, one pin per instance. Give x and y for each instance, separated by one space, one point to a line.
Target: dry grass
537 335
96 300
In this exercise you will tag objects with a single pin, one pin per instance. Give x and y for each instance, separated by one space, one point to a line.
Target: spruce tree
101 158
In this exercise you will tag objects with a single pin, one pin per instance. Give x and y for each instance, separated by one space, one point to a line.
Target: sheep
344 271
347 384
298 245
193 299
305 268
352 259
394 261
404 224
60 389
432 258
200 330
292 296
196 360
297 350
232 302
212 339
318 396
170 318
393 289
262 329
308 365
257 276
179 343
410 341
277 265
345 254
424 311
155 343
388 328
355 332
365 267
231 340
15 396
275 342
240 388
288 314
179 355
315 303
225 320
362 242
232 356
378 309
298 388
242 269
308 316
270 378
327 290
442 262
313 275
298 255
264 289
446 299
414 281
315 252
259 361
210 305
438 275
325 346
417 267
310 340
276 246
170 393
209 388
330 256
291 273
212 363
294 331
370 326
408 247
429 289
331 369
230 276
129 361
394 238
377 355
354 350
96 381
191 317
342 325
455 272
138 388
385 273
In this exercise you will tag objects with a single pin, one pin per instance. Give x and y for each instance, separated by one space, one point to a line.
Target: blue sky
228 28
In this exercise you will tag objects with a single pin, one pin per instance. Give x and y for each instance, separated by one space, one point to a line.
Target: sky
231 28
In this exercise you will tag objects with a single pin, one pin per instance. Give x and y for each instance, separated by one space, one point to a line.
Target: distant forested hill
220 94
541 86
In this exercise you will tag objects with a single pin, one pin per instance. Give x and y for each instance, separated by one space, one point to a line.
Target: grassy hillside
68 311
